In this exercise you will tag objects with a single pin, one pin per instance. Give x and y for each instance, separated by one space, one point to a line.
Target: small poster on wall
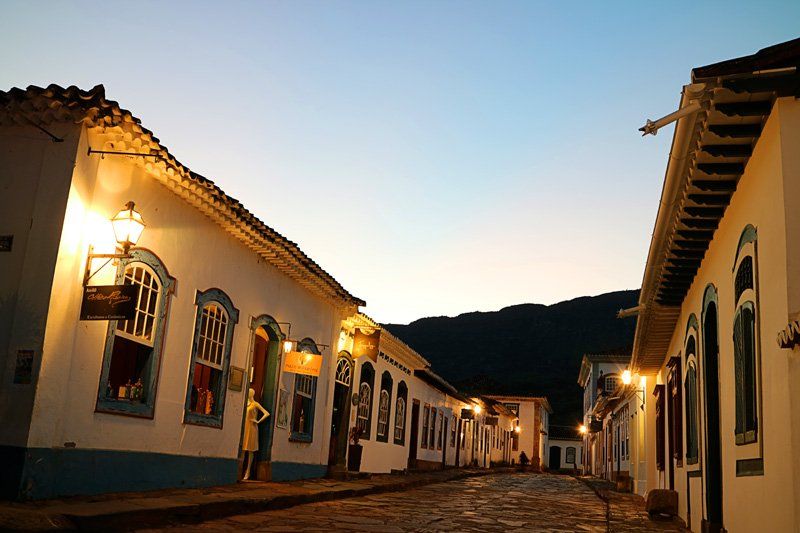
283 409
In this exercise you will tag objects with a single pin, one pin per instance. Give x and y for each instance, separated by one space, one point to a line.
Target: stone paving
519 502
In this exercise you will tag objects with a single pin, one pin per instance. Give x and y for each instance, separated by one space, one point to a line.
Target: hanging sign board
467 414
308 364
109 302
366 344
491 420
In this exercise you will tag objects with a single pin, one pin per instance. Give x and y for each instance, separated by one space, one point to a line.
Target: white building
533 414
155 401
565 449
717 327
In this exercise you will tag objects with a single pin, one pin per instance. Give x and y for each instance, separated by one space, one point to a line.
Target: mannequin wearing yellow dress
251 422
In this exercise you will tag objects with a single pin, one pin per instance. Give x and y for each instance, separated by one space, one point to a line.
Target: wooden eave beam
705 212
745 109
710 199
704 223
715 185
721 169
728 150
736 131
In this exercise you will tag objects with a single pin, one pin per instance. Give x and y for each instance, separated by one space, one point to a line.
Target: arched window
384 407
364 417
128 379
211 349
304 401
344 372
745 356
400 414
570 455
383 417
690 385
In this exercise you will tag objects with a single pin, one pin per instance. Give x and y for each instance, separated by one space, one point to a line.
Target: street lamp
128 226
583 429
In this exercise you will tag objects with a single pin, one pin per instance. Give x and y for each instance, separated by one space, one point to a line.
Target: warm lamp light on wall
583 429
517 429
128 226
477 409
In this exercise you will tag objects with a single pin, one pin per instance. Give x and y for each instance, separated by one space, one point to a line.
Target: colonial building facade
225 319
717 328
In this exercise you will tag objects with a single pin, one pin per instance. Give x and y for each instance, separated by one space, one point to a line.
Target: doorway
555 458
713 480
444 443
337 453
263 378
414 436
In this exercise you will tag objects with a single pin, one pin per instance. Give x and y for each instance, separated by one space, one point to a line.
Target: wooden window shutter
660 443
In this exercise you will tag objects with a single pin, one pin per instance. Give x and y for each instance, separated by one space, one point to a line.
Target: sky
435 157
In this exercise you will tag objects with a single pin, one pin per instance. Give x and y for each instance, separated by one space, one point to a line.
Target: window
452 431
364 418
660 444
690 393
432 434
514 408
439 441
426 415
400 414
211 354
305 391
610 384
675 417
344 372
383 417
691 414
384 407
570 458
132 351
745 354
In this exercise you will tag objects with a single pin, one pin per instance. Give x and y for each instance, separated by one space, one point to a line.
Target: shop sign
467 414
109 302
491 420
365 344
308 364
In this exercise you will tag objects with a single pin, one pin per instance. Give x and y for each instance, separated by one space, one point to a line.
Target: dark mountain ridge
526 348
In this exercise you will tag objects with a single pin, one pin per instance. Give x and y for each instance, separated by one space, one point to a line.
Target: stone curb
192 513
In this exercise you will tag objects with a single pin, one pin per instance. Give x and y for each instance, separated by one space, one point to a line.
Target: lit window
344 372
400 414
425 425
441 424
211 349
303 404
133 347
383 416
611 384
364 419
399 419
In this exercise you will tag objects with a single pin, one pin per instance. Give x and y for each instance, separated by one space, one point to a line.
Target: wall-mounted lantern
128 226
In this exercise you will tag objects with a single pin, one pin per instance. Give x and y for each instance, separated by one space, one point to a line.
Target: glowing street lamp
477 409
128 226
583 429
626 377
517 429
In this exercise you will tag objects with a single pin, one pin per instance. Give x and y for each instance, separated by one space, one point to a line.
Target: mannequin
250 439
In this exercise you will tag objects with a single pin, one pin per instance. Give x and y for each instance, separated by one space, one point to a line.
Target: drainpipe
673 180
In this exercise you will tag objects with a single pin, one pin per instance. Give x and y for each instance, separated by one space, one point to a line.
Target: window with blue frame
128 379
211 356
305 393
384 407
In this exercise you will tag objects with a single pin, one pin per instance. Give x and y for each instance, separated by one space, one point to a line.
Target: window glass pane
748 331
744 277
143 322
364 400
383 414
344 372
399 419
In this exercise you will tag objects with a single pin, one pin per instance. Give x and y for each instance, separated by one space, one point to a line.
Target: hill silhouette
525 349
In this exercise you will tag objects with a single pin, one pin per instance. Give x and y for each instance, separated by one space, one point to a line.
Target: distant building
718 328
533 413
565 449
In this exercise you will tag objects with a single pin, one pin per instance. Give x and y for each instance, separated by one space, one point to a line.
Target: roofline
92 109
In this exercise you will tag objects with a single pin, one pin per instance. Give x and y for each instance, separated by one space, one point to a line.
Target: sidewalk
625 511
125 511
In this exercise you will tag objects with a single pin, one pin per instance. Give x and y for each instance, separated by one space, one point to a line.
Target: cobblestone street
505 502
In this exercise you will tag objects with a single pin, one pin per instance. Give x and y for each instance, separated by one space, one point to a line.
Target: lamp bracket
103 153
88 274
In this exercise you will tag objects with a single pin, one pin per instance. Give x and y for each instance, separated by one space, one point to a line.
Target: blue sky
435 157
